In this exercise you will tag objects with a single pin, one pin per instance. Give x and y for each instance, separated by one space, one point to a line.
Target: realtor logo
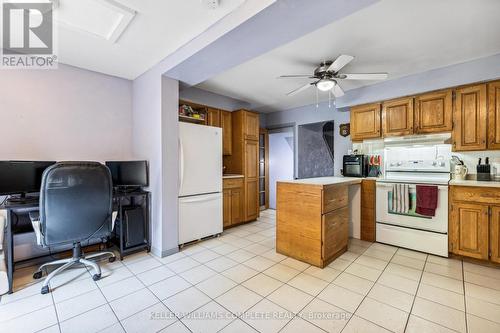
28 35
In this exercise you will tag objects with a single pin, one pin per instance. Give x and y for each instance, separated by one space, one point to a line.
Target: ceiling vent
107 19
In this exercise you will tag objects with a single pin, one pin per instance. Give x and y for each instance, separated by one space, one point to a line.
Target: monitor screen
19 177
129 173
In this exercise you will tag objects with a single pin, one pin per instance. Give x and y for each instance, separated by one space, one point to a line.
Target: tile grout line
365 296
416 293
465 298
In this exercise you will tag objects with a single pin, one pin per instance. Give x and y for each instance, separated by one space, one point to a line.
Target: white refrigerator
200 181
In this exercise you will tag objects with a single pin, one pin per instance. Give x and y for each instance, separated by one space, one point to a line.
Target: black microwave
355 166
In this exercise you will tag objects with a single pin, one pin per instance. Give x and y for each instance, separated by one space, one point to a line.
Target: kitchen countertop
325 181
477 183
230 176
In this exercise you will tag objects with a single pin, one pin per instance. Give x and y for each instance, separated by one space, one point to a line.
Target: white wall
64 114
281 161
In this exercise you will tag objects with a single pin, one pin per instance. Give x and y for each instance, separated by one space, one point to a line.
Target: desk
121 200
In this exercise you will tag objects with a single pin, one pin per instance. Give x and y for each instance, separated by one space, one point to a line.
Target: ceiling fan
327 75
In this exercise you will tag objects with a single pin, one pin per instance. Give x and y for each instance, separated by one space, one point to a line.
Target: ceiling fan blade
365 76
340 62
337 91
294 76
299 89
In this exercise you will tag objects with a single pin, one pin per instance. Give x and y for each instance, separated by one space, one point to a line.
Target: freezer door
200 159
199 216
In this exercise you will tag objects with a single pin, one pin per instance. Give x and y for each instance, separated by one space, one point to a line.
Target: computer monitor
129 173
21 177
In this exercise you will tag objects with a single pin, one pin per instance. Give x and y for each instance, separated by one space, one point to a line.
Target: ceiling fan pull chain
329 99
317 99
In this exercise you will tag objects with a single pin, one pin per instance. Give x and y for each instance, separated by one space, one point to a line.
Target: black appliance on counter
355 166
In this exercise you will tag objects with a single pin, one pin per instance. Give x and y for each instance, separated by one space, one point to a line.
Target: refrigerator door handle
202 198
181 165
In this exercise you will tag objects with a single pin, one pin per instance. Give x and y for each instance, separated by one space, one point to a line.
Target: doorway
281 159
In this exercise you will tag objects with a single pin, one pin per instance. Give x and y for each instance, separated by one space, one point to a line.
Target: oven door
437 223
353 169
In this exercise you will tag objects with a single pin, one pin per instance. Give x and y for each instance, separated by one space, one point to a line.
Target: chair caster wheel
112 259
45 290
96 277
37 275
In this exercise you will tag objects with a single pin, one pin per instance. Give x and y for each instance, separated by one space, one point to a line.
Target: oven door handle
410 186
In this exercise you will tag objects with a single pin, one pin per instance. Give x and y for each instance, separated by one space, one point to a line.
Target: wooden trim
494 115
265 132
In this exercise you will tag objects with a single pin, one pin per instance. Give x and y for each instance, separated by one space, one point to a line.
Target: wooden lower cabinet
470 230
233 201
495 234
474 221
368 189
252 199
312 222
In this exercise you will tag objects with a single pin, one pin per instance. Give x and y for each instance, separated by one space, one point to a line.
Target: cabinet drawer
335 232
334 197
487 195
233 183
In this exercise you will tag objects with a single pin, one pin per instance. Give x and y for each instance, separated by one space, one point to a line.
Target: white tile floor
238 283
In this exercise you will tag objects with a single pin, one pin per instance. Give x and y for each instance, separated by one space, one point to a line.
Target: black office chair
76 200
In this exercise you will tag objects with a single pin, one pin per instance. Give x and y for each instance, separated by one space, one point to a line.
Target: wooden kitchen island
312 218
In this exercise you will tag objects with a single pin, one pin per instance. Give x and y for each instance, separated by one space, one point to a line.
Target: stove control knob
392 164
400 163
441 164
434 163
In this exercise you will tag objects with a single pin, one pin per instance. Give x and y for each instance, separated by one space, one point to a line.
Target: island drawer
334 197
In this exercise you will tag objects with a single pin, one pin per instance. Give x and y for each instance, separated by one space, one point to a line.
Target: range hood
442 138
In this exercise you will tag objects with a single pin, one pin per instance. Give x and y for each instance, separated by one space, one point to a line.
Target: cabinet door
368 188
213 117
227 132
494 115
227 205
252 199
365 122
469 230
335 232
434 112
251 159
495 234
397 117
469 115
237 205
251 125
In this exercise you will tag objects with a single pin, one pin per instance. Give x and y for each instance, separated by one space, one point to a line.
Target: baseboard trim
162 254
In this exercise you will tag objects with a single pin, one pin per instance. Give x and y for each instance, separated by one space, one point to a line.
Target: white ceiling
158 29
400 37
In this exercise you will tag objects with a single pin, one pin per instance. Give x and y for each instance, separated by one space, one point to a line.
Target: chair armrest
35 222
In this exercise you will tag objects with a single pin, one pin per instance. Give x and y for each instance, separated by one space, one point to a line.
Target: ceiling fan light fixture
325 84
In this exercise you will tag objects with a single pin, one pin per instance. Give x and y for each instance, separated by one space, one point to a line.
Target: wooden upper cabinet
213 117
397 117
227 132
494 115
469 230
251 159
365 122
470 116
495 234
251 125
434 112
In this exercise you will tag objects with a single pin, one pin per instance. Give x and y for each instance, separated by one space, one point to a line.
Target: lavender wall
64 114
310 114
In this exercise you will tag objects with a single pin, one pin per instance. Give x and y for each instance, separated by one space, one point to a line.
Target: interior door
469 230
200 159
495 234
